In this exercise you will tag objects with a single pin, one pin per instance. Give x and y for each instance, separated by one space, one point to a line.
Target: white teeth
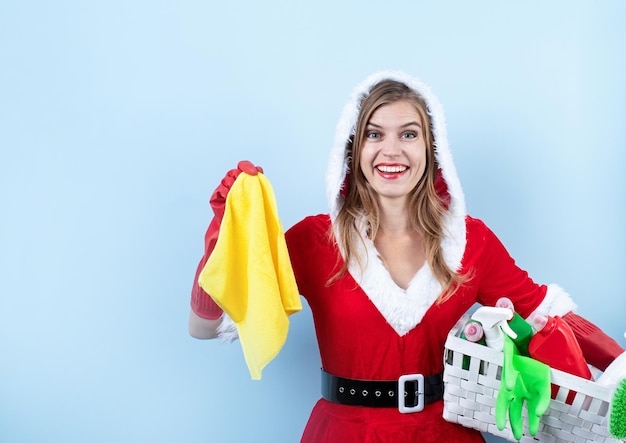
391 168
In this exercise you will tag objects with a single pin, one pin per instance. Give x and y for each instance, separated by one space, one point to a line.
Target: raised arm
206 316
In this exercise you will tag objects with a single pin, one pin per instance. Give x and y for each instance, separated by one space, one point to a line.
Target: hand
218 198
522 379
201 303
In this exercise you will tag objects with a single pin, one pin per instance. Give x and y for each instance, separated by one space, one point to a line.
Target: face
393 154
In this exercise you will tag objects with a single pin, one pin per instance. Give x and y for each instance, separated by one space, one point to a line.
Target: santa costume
371 332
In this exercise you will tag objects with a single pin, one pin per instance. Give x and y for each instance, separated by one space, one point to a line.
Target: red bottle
555 345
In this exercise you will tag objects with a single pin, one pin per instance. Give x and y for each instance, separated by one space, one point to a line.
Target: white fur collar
402 309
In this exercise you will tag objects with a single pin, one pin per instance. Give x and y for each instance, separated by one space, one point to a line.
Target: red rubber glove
598 348
201 303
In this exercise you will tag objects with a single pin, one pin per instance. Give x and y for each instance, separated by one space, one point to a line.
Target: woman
391 269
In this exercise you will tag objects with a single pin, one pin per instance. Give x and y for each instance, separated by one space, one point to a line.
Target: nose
391 148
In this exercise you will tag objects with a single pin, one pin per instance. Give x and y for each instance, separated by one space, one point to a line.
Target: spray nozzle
495 321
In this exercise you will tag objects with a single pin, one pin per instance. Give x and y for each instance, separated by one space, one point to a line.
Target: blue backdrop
118 119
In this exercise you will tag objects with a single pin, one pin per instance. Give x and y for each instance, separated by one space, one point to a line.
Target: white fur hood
454 243
402 309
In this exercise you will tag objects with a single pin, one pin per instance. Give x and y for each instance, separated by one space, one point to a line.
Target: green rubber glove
522 379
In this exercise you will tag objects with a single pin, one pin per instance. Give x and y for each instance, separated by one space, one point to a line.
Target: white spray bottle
495 324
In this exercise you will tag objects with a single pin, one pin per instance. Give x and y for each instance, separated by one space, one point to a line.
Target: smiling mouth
391 169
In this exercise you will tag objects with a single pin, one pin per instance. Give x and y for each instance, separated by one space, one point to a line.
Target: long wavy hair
360 212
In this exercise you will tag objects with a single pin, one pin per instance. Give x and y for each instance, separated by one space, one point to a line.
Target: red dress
357 341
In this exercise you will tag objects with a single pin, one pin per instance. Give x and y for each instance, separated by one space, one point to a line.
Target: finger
218 198
230 178
533 416
502 406
543 403
509 371
247 167
515 417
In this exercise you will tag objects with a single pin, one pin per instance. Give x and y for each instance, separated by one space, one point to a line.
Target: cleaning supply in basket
524 381
521 327
614 376
495 324
617 419
555 345
472 331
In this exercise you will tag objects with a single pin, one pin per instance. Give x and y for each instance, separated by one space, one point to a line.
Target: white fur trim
557 302
402 309
227 330
454 242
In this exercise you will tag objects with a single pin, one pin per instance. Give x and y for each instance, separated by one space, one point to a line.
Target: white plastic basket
472 379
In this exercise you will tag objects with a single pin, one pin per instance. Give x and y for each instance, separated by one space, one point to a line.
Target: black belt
417 391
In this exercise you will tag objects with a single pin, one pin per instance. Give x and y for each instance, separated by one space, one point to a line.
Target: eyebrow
406 125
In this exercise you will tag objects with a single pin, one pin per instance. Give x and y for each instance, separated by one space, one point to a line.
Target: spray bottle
555 345
521 327
472 332
495 324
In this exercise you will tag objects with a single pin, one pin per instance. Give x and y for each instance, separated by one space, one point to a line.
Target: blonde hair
360 211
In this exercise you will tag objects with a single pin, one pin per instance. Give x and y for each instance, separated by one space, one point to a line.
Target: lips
391 172
391 169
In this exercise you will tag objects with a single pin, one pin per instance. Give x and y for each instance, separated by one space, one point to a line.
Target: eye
372 135
409 135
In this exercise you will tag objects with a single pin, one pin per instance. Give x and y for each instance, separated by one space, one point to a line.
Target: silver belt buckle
402 407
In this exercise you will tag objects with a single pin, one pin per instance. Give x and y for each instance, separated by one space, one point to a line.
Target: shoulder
313 229
310 225
481 240
476 226
311 250
479 234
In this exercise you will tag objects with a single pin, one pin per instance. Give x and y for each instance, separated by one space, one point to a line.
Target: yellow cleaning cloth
249 273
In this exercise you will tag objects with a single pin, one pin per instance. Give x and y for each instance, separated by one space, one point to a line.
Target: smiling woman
391 269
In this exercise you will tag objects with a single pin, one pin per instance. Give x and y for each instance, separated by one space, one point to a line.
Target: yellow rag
249 273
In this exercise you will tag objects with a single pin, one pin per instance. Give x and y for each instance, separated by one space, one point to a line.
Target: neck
394 219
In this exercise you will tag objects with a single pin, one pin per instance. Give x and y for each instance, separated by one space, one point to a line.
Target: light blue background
118 119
